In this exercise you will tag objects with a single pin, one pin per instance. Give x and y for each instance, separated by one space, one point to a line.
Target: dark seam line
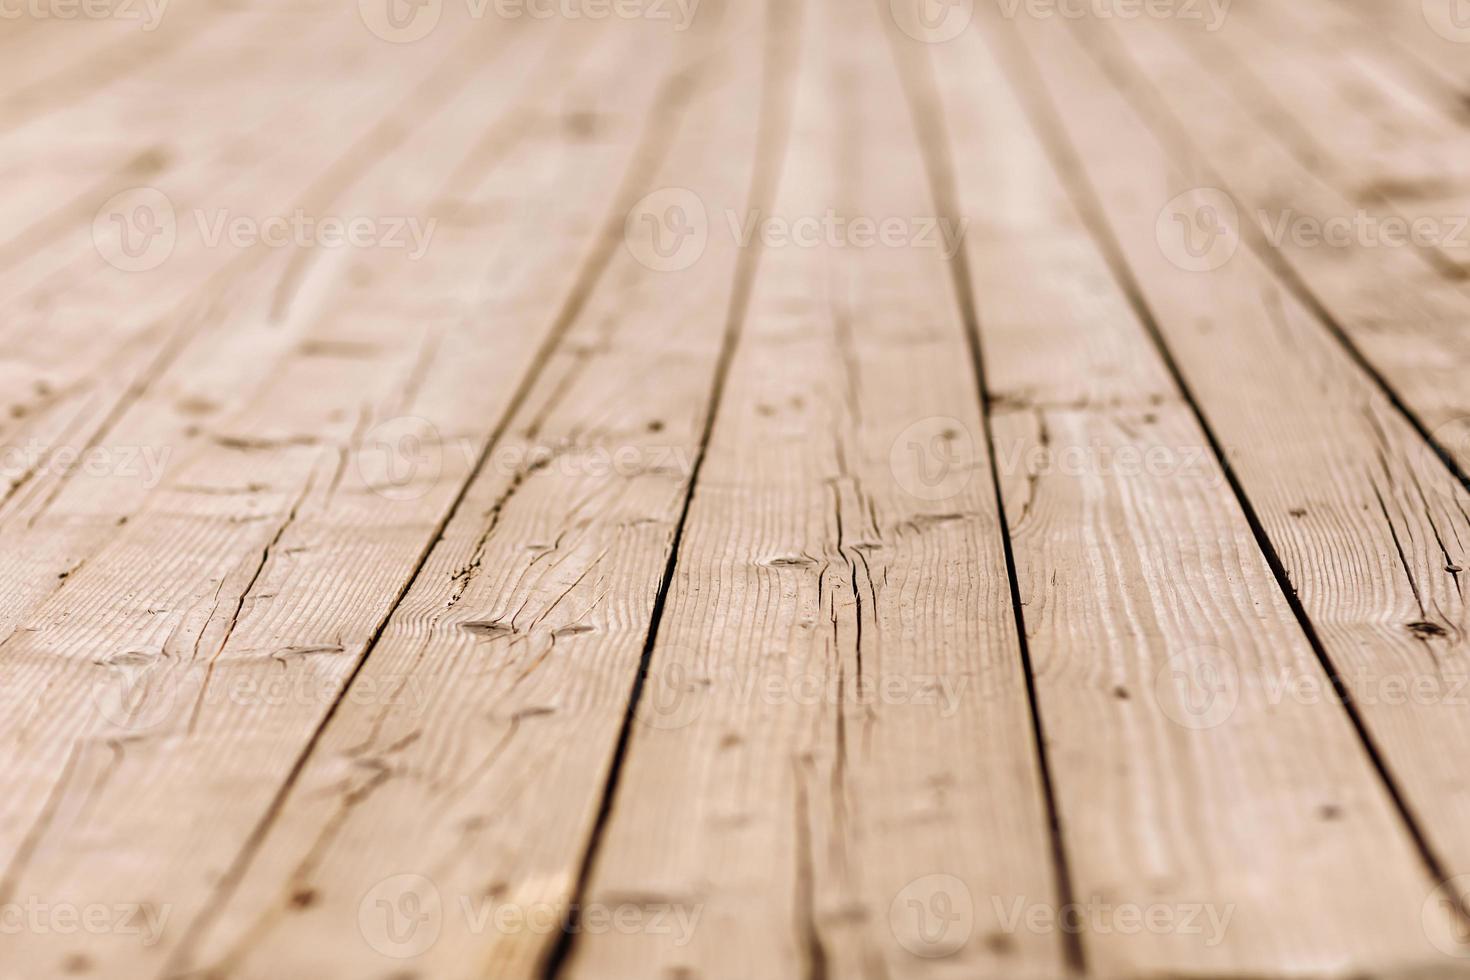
590 274
770 154
928 115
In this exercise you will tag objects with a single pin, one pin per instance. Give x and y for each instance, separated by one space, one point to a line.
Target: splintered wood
728 489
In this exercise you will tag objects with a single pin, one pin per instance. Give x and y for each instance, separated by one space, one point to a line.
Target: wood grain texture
1366 523
1157 632
835 728
783 489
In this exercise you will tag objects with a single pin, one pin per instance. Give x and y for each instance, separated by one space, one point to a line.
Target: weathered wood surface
772 489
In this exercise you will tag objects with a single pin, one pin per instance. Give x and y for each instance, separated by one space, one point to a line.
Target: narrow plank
522 636
1368 527
833 750
1138 567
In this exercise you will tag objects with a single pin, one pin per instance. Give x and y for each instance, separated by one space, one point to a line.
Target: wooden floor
734 490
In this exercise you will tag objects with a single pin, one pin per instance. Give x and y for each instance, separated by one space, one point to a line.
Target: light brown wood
1143 586
822 760
790 504
1366 523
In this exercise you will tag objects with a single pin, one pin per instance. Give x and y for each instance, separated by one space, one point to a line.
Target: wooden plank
1138 570
1367 526
524 632
835 734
